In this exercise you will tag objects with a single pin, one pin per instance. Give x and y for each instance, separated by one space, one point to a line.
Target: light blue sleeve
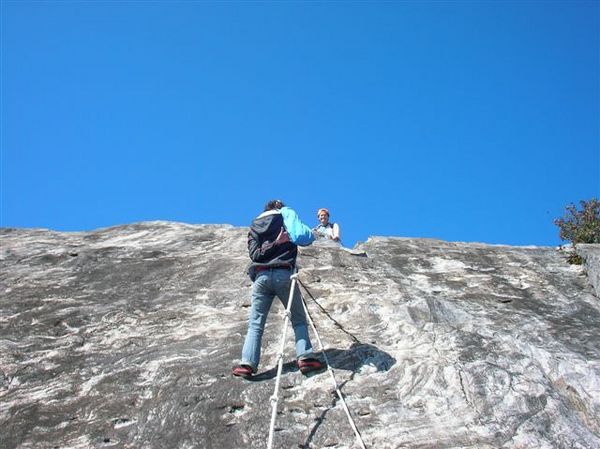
299 233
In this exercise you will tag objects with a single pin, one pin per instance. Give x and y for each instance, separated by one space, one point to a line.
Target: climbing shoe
244 371
309 365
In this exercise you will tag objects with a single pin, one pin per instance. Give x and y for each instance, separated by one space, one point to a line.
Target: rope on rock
329 369
275 398
338 325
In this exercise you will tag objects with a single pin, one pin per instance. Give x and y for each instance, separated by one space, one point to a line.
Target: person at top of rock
326 230
273 242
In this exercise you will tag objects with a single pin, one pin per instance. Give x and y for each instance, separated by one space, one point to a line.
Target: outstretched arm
299 233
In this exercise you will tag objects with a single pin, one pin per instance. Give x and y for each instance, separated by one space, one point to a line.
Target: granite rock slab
125 337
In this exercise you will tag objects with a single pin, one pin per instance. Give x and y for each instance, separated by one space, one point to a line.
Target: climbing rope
287 317
275 398
330 370
338 325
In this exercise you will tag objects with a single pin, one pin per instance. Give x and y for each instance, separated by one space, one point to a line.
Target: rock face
591 260
125 337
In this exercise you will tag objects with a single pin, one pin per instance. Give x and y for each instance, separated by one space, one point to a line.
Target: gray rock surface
125 337
591 260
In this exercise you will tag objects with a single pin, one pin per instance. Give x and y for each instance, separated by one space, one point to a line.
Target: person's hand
283 237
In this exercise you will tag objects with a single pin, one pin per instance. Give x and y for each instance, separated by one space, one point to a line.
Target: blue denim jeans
268 284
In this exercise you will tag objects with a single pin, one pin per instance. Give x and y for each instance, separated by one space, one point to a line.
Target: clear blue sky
463 120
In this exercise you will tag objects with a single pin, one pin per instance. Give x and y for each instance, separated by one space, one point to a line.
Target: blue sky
463 120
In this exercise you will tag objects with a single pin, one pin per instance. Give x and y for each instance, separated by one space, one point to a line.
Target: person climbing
273 242
325 229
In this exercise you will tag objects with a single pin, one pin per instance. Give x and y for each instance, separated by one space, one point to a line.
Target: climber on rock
273 242
325 230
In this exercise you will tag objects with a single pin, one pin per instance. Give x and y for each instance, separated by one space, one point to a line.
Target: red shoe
244 371
309 365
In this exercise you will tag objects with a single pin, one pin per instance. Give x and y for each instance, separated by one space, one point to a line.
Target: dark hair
274 204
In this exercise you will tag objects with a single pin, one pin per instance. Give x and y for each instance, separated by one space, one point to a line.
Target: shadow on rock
358 356
353 359
288 367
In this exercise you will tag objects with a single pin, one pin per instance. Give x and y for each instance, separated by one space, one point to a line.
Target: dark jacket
262 248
